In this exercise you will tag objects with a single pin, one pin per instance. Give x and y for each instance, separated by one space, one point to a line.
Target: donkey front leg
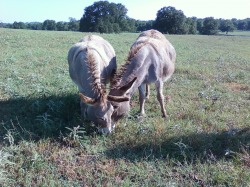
142 98
147 91
83 110
160 97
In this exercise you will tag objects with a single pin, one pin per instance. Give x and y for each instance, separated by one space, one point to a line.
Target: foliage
199 23
191 25
105 17
61 26
73 25
248 24
235 22
210 26
172 21
49 25
143 25
18 25
242 25
35 26
226 26
204 141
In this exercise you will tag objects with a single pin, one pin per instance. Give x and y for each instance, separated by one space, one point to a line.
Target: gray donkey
92 63
151 60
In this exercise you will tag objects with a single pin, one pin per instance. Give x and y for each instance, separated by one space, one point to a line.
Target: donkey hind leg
142 98
147 91
160 97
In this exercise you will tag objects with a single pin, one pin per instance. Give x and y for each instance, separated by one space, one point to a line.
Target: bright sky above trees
58 10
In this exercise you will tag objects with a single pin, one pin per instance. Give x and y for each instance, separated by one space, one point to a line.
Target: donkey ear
87 100
128 85
117 98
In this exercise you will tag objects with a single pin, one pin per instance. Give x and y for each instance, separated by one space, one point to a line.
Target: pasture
205 141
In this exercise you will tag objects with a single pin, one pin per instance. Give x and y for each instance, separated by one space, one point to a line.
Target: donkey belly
150 76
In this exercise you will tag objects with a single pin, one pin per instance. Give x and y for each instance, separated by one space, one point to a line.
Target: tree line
72 25
105 17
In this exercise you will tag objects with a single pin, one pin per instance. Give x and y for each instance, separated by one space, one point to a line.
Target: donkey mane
119 74
132 53
153 34
96 84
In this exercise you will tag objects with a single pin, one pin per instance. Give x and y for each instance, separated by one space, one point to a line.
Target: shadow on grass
190 147
36 118
232 34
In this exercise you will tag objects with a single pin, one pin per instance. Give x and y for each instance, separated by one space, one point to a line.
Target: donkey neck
137 68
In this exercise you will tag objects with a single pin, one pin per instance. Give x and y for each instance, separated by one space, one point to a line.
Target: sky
61 10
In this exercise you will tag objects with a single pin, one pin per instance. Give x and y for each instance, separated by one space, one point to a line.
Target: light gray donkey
92 63
151 60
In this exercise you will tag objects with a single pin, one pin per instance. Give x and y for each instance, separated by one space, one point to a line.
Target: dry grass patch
237 87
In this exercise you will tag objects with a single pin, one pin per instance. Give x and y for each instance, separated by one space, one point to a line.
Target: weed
4 163
44 120
76 135
9 137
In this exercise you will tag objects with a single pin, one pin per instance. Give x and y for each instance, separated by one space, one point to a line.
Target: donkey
151 60
92 63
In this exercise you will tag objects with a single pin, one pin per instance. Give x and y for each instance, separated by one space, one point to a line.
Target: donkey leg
83 110
147 91
142 98
160 97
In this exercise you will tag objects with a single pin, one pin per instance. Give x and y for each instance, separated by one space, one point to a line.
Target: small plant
76 134
183 149
9 137
45 120
4 160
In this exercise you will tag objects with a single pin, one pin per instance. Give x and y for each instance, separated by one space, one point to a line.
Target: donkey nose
105 131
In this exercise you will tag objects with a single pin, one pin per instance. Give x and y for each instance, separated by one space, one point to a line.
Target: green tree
199 24
73 24
116 28
101 27
128 25
18 25
35 26
49 25
104 17
242 25
235 22
60 26
169 20
143 25
248 24
191 25
210 26
226 26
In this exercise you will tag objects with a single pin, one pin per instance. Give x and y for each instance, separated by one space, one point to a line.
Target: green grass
204 142
238 33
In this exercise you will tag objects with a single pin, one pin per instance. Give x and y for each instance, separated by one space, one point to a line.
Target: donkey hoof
164 116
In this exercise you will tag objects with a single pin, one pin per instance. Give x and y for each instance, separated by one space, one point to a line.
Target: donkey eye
115 107
101 119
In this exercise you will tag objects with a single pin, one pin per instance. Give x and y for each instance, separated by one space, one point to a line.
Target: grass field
237 33
204 142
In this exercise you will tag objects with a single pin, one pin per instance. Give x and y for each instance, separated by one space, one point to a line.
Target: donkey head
99 111
119 98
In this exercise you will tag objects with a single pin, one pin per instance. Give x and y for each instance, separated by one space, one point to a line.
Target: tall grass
204 142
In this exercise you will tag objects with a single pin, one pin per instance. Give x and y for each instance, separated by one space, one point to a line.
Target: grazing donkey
92 63
151 60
